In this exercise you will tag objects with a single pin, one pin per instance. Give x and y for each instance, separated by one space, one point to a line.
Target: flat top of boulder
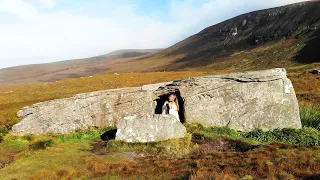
252 76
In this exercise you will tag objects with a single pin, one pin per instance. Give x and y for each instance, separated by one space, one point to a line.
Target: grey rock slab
153 87
242 101
97 109
149 128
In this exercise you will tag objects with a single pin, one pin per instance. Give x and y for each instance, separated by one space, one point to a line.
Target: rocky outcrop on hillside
242 101
299 22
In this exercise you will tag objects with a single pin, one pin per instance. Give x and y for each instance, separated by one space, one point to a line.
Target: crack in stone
119 103
250 80
206 91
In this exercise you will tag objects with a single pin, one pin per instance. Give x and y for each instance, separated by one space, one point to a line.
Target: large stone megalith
242 101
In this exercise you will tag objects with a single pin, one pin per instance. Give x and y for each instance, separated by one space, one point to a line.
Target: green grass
164 148
11 146
310 117
309 135
32 164
305 137
76 137
14 141
70 156
83 135
46 157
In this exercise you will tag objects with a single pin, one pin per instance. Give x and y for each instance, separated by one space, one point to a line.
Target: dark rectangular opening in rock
109 135
163 98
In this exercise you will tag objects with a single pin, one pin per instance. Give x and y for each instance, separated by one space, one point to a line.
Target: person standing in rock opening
171 106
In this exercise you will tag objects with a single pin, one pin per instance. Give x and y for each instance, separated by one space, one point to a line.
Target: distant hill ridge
54 71
286 36
283 36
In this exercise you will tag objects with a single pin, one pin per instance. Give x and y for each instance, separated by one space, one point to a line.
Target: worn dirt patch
99 148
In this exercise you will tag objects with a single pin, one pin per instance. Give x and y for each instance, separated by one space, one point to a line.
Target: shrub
259 135
41 143
194 127
305 136
28 137
3 131
310 117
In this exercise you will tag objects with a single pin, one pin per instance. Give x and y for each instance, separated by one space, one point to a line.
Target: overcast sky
39 31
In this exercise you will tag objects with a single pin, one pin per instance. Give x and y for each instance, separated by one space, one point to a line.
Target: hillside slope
284 36
48 72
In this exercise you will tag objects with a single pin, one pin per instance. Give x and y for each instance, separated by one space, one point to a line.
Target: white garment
174 110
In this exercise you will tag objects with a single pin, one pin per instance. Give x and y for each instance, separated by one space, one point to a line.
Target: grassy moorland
13 98
219 153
